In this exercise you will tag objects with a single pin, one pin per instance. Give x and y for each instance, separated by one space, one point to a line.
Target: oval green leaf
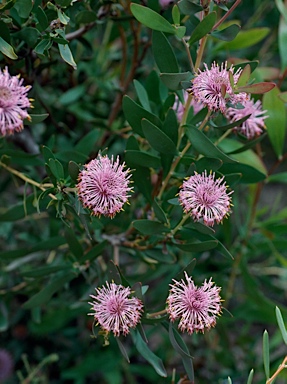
203 28
158 139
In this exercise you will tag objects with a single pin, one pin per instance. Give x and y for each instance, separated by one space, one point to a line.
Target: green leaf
42 297
170 125
64 19
281 324
24 8
208 164
122 349
47 153
56 168
72 95
159 212
173 80
43 46
66 55
163 53
142 179
188 269
7 49
143 349
7 5
157 138
244 76
282 36
95 252
88 143
175 14
20 157
43 22
227 34
159 255
204 146
246 39
149 227
283 96
74 244
73 170
86 17
134 114
145 159
45 271
151 19
179 345
276 122
4 322
280 177
266 357
142 95
253 65
187 7
203 28
197 246
236 123
250 144
35 119
250 377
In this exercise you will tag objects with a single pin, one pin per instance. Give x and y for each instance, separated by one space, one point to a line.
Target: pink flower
166 3
254 125
212 87
204 197
103 186
196 307
180 108
13 103
114 309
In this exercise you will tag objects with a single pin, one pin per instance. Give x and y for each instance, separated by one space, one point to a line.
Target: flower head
115 310
254 125
212 87
6 365
196 307
103 186
180 108
13 103
205 197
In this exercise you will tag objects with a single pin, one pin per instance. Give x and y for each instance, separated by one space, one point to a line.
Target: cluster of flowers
212 89
116 310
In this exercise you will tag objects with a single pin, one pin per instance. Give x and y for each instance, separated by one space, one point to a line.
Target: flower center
5 97
115 308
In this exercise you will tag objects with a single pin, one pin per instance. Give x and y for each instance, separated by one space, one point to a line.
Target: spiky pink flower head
104 185
14 103
196 307
203 196
212 87
6 365
180 108
115 310
254 125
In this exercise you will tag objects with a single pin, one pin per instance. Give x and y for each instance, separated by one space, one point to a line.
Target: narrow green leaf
143 349
142 95
188 269
45 271
229 380
244 76
253 65
157 138
88 143
197 246
276 122
159 212
42 48
7 49
249 144
142 158
163 53
95 252
74 244
170 125
203 28
4 322
245 39
150 227
122 349
66 55
41 298
173 80
47 153
250 377
35 119
56 168
151 19
43 22
236 123
227 34
278 178
203 145
72 95
64 19
189 8
134 114
73 169
175 14
281 324
266 357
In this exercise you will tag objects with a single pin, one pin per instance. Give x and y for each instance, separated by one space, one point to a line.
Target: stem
28 180
200 53
179 225
227 133
237 2
280 368
156 314
186 46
